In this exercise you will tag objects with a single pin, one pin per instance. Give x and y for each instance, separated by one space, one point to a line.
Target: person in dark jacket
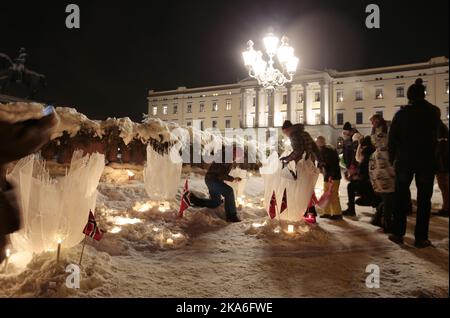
215 176
301 142
360 183
331 170
412 150
442 166
16 141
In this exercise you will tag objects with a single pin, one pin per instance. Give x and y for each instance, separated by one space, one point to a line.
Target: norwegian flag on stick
185 202
91 230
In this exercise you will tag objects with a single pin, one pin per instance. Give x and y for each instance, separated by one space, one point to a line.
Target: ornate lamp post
267 74
264 72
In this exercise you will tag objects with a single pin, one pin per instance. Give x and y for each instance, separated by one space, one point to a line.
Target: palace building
322 100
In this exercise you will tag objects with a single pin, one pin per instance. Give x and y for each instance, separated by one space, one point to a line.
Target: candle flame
8 253
290 228
130 173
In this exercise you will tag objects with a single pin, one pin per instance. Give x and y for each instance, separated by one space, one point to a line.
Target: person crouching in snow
330 169
214 179
301 142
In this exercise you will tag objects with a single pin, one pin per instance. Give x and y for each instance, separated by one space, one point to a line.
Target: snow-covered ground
149 252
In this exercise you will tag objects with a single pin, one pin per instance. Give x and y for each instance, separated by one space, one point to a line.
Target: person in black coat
360 183
412 150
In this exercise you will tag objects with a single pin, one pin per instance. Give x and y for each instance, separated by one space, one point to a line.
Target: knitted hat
287 124
416 91
347 126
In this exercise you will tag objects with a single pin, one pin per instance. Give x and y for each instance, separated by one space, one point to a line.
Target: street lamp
264 72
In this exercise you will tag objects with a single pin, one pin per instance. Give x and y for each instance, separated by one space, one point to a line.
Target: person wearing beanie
412 150
331 170
382 174
301 142
349 146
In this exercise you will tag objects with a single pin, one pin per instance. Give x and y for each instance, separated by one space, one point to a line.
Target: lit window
340 96
202 108
215 107
175 109
228 105
189 108
165 110
359 118
339 119
379 93
317 97
400 91
155 110
359 94
300 97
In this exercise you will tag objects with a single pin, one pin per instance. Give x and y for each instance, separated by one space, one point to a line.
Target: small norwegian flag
91 229
273 206
283 202
185 202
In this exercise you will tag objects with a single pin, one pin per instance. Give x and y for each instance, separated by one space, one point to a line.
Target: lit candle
130 174
8 254
257 225
169 241
290 228
58 251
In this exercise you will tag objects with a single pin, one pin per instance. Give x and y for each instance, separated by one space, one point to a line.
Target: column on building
277 105
305 102
243 108
324 102
289 105
271 103
330 103
257 107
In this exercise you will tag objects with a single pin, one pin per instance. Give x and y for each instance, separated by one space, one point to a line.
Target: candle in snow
290 228
58 252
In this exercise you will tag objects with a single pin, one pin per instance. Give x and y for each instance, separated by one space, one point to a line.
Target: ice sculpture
298 192
162 173
55 209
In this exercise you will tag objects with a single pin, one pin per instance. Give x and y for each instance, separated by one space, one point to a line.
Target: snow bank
16 112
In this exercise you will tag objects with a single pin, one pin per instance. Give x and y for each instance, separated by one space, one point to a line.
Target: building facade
323 100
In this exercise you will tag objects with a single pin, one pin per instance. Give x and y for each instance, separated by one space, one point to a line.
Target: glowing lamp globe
271 43
291 65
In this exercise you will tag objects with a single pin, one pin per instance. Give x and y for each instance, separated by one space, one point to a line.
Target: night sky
125 48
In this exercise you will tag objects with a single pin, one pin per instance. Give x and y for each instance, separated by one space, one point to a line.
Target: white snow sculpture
55 208
238 187
298 192
162 173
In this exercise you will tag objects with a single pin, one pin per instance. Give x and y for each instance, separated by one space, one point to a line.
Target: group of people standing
380 167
